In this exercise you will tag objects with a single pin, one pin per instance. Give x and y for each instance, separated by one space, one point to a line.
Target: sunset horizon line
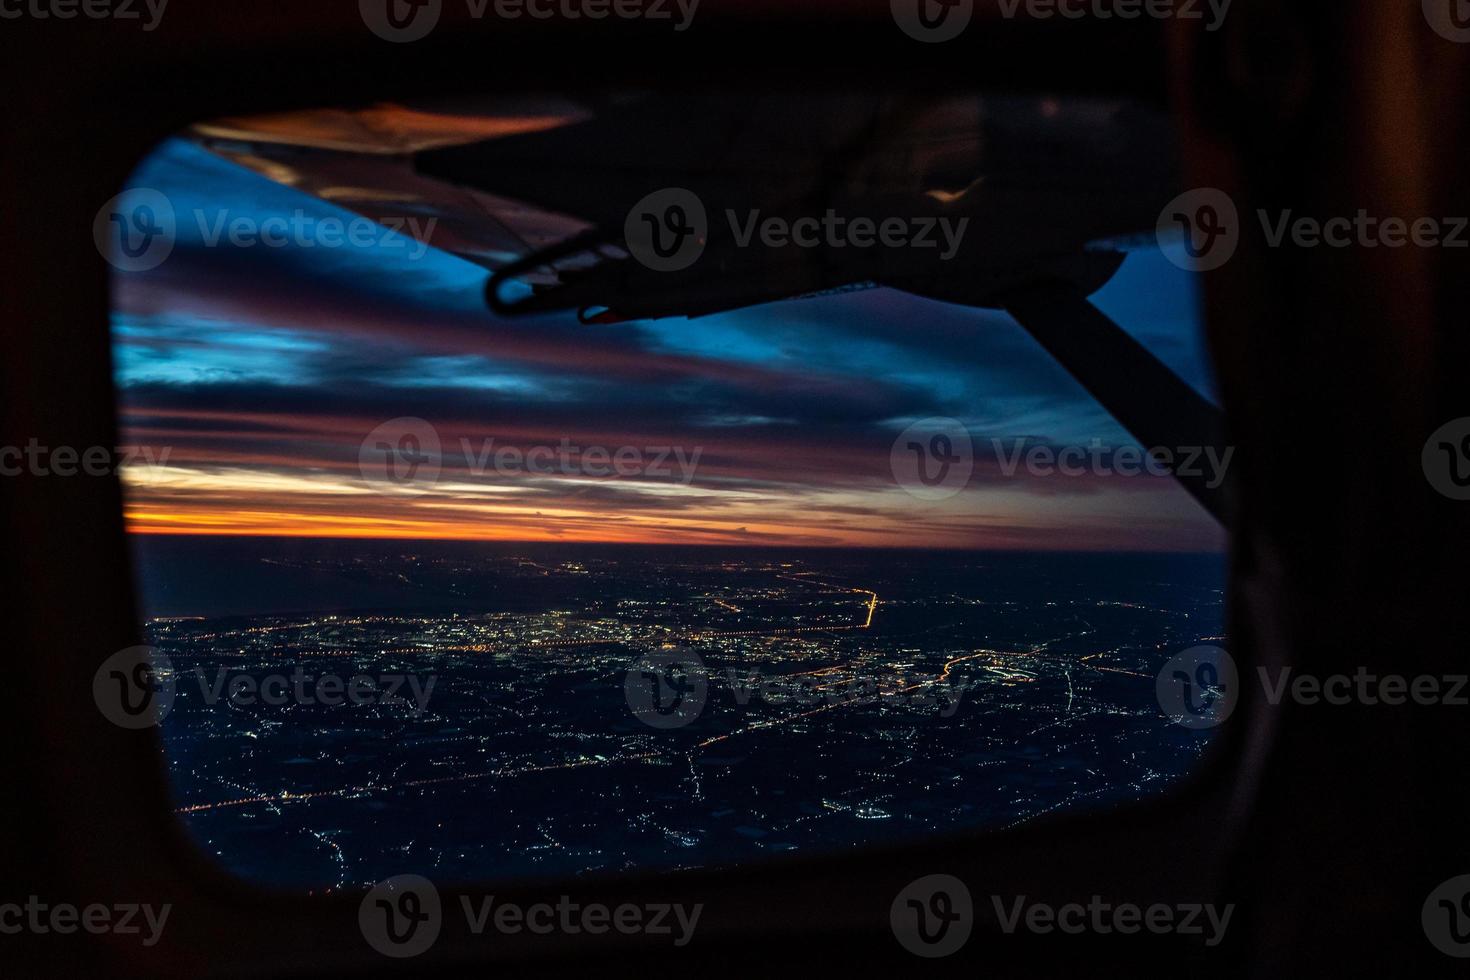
997 549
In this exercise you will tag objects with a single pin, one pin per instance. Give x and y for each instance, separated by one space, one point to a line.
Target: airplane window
552 487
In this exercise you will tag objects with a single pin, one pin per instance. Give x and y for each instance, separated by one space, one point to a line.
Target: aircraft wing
538 193
363 160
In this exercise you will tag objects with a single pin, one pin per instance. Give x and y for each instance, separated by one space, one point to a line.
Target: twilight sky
262 370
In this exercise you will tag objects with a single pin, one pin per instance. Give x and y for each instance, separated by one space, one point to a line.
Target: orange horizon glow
374 530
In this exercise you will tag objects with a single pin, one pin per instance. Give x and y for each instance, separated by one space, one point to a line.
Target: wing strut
1146 398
